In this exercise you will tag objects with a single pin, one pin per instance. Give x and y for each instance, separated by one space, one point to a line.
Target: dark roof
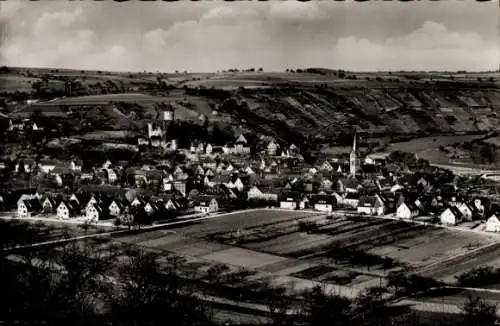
411 205
222 178
351 195
367 201
349 183
121 203
103 209
72 206
83 198
204 200
293 195
32 204
454 210
324 199
369 168
385 182
51 200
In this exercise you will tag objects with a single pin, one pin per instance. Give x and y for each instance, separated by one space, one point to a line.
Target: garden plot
266 232
292 243
437 245
241 220
243 258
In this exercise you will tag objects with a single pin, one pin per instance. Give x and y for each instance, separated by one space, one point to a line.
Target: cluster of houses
205 184
99 206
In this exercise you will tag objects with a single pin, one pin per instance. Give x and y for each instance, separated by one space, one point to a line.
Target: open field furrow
463 262
354 226
387 238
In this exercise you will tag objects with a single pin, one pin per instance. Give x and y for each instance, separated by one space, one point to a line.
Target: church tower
353 159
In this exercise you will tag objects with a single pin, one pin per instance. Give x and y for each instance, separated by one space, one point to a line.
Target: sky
207 36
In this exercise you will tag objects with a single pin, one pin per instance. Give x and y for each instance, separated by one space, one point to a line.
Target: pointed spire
354 142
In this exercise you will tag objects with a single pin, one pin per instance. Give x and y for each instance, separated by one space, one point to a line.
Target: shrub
479 276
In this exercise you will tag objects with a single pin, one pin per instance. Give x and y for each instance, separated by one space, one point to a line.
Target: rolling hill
304 107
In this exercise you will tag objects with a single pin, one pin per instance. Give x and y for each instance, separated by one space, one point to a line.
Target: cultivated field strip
261 234
247 220
276 224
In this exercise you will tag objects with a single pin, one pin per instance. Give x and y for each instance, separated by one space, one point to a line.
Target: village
240 175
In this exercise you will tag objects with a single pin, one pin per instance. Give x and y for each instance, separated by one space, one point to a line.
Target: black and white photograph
299 163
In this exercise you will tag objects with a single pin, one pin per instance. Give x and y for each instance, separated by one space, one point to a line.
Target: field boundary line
112 233
432 265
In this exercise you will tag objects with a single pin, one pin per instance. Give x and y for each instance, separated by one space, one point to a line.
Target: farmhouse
289 200
371 205
324 203
117 207
384 184
493 224
346 185
49 205
46 166
264 194
27 165
465 210
206 204
450 216
67 209
272 147
29 207
96 212
350 200
407 210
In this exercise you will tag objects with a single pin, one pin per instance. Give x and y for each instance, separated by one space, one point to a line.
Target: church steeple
354 143
353 159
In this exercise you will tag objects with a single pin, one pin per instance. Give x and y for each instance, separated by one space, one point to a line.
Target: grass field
12 83
269 242
103 99
105 134
46 230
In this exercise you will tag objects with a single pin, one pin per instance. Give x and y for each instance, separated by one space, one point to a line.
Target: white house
478 204
29 207
289 201
65 210
238 184
272 147
407 211
350 200
450 216
172 205
493 224
256 193
371 205
465 210
48 205
209 149
112 176
116 208
96 212
206 204
137 202
75 166
326 166
46 166
324 203
150 208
